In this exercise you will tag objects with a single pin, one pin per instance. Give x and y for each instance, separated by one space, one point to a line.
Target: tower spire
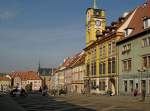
39 66
94 4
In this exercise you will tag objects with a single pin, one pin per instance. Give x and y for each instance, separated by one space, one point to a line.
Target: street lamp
143 91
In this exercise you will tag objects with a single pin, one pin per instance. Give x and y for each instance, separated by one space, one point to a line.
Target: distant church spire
39 66
94 4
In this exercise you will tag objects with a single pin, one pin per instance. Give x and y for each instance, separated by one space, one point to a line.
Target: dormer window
146 22
128 31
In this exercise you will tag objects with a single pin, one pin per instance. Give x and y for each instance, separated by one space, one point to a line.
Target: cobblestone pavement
37 102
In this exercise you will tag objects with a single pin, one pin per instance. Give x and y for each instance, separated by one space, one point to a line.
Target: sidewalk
136 99
7 104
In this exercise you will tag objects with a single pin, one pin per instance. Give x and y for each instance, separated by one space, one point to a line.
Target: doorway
143 85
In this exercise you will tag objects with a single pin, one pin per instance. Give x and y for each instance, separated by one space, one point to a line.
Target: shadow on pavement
37 102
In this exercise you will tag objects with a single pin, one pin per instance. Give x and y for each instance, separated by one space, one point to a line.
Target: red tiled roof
29 75
2 78
79 60
137 21
70 60
74 59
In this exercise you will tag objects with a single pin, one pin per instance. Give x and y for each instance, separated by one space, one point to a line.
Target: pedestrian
45 90
40 90
135 92
143 94
23 92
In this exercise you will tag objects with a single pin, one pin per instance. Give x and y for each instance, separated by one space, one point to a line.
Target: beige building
70 74
21 79
78 73
5 83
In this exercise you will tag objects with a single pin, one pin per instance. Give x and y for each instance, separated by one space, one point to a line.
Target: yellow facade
101 54
95 25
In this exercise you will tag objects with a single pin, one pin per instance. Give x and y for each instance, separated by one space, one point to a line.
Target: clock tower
95 23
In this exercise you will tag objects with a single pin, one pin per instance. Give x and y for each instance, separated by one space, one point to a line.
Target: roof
145 32
69 62
2 78
45 71
137 21
80 60
28 75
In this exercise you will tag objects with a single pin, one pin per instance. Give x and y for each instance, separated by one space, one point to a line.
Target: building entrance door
143 85
111 85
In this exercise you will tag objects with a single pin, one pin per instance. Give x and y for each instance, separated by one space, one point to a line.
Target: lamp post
143 91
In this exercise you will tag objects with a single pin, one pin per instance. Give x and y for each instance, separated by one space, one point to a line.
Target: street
37 102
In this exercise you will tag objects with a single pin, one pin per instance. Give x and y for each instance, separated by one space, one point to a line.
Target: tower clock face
98 22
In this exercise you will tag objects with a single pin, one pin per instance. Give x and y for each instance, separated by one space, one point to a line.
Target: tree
28 87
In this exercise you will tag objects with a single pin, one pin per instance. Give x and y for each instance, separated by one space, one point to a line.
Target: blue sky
47 30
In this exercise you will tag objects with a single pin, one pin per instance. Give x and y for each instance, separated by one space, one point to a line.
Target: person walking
135 92
143 93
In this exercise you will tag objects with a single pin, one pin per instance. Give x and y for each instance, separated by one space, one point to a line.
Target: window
145 43
93 53
128 31
113 46
136 85
104 68
109 65
131 85
125 86
126 48
124 65
109 48
88 69
127 65
146 61
146 22
94 68
102 85
101 68
101 51
104 51
113 65
93 85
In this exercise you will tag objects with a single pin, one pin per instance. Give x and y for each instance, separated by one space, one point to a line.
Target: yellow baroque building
101 52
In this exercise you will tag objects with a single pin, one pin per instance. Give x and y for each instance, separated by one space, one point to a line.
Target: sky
48 30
